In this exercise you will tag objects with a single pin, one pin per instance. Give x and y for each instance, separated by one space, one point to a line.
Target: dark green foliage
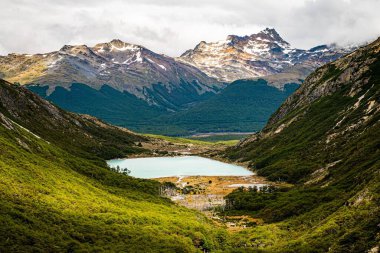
241 106
280 204
182 96
107 103
251 199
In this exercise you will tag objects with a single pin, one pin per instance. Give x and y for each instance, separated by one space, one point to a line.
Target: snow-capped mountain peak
272 33
116 45
119 52
260 54
75 50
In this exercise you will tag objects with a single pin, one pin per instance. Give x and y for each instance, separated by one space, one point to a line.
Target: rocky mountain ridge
123 66
261 54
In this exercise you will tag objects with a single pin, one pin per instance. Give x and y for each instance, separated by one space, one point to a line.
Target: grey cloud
172 26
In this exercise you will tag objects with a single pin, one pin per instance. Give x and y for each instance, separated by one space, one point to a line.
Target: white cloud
172 26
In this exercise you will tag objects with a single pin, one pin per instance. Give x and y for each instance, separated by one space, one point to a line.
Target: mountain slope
249 102
58 195
243 106
325 140
122 66
260 54
108 104
51 123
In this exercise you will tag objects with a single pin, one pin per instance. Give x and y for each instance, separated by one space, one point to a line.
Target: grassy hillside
193 140
70 131
57 195
325 139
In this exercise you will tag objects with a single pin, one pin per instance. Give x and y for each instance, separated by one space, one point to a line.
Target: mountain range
120 65
261 54
132 86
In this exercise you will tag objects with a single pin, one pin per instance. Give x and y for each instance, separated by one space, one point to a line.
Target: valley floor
209 192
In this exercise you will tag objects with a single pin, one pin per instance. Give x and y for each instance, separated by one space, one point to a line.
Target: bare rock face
261 54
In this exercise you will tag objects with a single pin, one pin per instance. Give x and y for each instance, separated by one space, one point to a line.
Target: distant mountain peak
70 47
67 48
76 50
271 32
121 45
270 35
259 54
116 45
116 41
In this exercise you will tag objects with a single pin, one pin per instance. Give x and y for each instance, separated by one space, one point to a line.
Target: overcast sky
173 26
